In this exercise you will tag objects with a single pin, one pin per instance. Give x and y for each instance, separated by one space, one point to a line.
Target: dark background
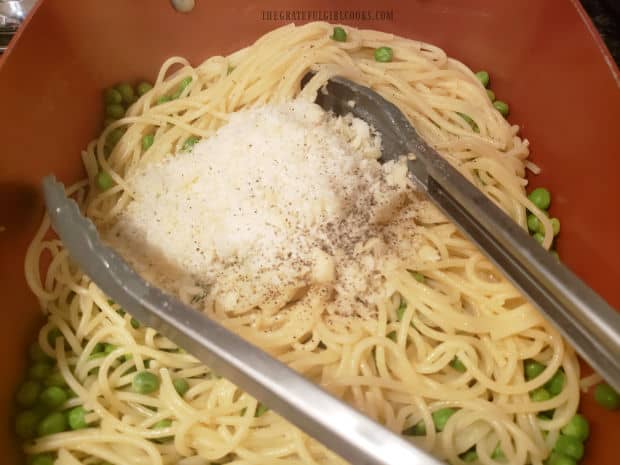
605 15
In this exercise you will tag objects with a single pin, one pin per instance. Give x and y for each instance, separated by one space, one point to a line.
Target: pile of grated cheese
280 199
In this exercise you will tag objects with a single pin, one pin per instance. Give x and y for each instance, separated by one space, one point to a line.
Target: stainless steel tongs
581 315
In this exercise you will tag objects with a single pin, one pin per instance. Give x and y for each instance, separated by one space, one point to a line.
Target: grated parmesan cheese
281 199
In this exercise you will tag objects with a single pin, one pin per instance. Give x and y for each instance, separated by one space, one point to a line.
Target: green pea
114 136
555 226
96 355
392 335
39 371
135 324
400 311
384 54
161 424
190 142
182 86
181 386
560 459
469 121
26 424
144 87
76 417
42 459
126 92
540 197
540 395
538 237
491 95
578 427
114 110
556 383
419 277
339 35
163 99
28 393
498 453
112 96
547 414
40 410
107 150
145 382
470 456
533 223
147 141
569 445
606 396
55 422
458 365
419 429
108 348
502 107
483 77
104 180
441 417
37 354
98 347
53 397
261 409
185 82
54 334
55 379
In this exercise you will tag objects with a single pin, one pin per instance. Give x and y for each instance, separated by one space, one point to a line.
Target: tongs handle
337 425
581 315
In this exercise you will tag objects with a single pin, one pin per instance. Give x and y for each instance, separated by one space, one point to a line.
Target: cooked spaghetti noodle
397 366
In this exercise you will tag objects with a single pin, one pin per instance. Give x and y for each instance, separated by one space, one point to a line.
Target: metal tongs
583 317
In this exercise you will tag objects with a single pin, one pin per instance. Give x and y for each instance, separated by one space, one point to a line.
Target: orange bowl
546 59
